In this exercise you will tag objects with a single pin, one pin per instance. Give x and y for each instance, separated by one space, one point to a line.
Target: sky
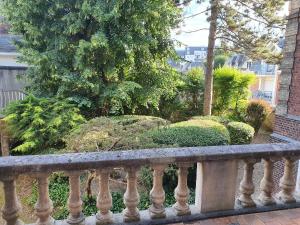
199 38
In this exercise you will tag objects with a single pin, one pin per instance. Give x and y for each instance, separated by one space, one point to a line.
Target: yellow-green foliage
192 133
37 124
114 133
231 88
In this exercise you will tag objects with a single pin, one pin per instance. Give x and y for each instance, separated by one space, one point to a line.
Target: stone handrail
215 189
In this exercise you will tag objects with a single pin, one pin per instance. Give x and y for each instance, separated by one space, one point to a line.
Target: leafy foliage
192 133
240 133
257 112
114 133
188 100
109 57
220 119
194 87
40 123
231 89
250 27
219 61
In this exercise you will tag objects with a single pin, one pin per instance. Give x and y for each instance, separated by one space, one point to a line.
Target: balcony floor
283 217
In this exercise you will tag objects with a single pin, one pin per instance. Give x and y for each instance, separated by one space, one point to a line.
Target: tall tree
107 56
250 27
208 93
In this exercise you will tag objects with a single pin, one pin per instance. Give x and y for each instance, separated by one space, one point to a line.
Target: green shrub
240 133
192 133
188 99
257 111
231 89
219 61
38 124
114 133
220 119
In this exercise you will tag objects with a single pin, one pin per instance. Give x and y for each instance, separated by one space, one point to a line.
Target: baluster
182 191
76 216
247 187
12 207
287 182
267 184
44 206
131 196
157 194
104 199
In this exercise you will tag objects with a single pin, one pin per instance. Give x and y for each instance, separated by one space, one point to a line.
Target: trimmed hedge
192 133
220 119
240 133
114 133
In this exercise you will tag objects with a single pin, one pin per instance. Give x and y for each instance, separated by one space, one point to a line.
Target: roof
7 43
192 49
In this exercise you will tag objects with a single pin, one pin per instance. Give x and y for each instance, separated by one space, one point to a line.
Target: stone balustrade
216 192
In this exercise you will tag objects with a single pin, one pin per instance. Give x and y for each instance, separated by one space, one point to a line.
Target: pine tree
250 27
107 56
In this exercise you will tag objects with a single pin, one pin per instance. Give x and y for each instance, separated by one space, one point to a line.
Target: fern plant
38 124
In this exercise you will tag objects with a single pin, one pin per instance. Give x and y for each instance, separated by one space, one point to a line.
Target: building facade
192 56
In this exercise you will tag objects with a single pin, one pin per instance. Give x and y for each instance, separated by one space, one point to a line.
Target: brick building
287 121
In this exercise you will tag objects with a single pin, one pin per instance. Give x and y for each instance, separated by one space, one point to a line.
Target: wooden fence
7 96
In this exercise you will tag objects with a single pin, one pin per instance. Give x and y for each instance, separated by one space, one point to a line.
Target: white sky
199 38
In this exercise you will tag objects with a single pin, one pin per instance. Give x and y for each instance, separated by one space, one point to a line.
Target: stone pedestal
216 185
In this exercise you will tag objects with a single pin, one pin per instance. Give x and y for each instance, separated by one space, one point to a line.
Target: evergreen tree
250 27
107 56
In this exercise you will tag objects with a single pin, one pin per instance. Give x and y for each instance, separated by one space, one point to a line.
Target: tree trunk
208 92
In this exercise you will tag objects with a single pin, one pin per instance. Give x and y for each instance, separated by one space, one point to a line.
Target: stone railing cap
95 160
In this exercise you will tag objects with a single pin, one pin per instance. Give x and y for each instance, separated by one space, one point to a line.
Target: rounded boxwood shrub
192 133
240 133
220 119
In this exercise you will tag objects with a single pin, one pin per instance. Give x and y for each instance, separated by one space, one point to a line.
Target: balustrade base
171 216
76 221
182 211
18 222
285 199
104 219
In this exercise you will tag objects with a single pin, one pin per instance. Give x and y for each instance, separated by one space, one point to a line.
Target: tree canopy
108 57
250 27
